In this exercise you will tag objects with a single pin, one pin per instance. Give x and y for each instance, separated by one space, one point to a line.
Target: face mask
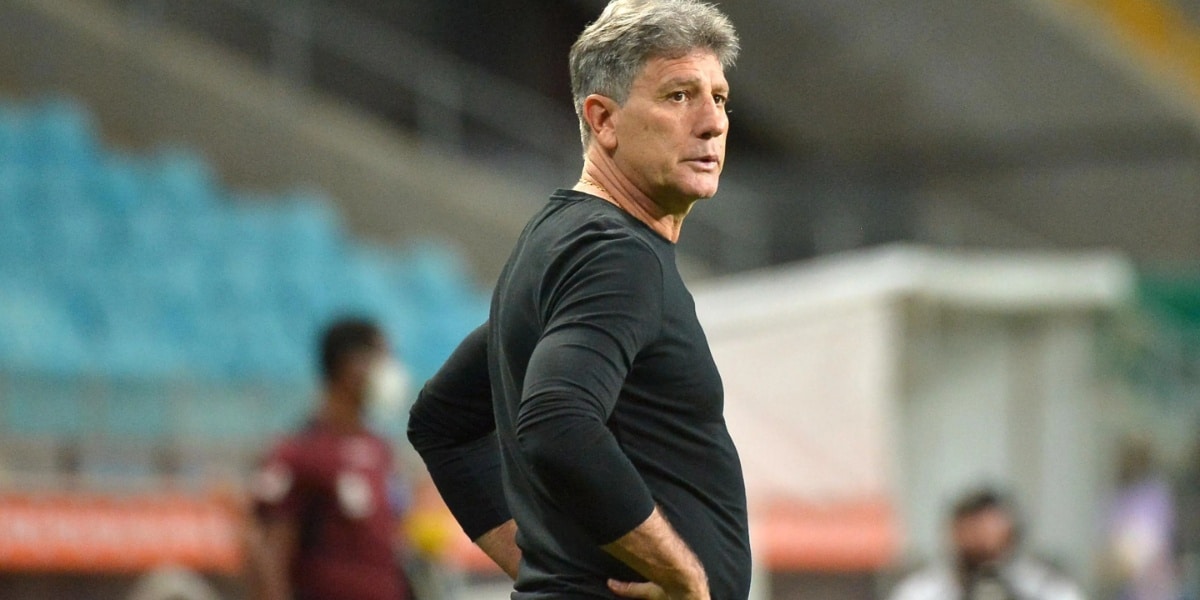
387 396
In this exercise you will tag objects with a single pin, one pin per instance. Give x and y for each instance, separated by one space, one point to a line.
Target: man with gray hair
578 435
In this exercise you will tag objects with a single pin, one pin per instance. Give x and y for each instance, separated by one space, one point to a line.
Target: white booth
908 375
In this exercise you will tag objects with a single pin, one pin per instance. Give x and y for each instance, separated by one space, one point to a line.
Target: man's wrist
656 551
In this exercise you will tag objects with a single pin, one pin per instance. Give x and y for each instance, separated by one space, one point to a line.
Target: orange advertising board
788 536
93 533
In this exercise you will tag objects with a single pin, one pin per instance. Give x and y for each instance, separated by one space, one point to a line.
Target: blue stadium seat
12 135
36 332
16 191
181 180
117 187
147 268
60 132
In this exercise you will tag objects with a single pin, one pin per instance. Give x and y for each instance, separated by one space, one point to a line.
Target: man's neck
340 412
602 178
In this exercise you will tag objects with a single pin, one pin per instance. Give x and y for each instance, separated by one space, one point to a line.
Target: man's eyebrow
675 82
692 82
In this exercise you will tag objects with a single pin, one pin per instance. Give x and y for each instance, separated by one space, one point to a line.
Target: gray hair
611 51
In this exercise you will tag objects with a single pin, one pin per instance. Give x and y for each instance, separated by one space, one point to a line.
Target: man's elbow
554 447
535 445
421 433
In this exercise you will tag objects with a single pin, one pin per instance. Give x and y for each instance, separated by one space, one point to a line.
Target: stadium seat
116 187
36 333
12 139
60 132
188 299
180 180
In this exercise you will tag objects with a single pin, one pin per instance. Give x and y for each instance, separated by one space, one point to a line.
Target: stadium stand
142 303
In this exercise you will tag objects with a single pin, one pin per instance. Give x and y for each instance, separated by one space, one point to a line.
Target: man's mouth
709 161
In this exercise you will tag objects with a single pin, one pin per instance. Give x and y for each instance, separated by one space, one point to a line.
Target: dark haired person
323 502
986 562
579 436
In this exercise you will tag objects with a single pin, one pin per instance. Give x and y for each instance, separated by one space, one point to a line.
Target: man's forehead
985 517
697 65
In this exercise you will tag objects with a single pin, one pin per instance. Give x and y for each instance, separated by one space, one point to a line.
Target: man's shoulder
932 582
1040 579
296 447
576 216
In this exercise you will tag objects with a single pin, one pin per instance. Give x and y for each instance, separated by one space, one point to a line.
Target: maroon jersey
334 485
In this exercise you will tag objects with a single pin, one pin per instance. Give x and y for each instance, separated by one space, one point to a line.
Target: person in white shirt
987 563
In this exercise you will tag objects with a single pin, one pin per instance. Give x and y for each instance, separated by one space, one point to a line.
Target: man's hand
645 591
656 551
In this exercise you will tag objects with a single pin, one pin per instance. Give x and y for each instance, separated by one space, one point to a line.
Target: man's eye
679 96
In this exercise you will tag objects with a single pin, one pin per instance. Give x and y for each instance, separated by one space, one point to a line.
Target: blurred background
956 243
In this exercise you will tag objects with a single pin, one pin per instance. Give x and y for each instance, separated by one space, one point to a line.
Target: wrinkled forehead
699 64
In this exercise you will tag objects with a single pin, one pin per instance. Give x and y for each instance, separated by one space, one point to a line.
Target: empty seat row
146 266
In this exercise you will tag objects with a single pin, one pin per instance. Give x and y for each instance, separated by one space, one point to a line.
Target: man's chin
702 190
706 193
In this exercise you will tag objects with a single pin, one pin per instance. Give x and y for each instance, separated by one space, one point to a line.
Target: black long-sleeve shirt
588 397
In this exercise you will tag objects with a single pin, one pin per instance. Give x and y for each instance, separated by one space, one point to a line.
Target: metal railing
450 97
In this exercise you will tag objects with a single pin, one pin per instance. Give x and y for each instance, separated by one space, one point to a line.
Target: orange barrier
853 536
788 535
91 533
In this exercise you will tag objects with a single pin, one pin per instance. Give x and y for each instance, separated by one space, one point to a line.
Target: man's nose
713 121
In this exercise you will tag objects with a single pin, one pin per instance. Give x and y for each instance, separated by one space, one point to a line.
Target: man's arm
452 426
500 544
606 310
280 490
659 554
270 553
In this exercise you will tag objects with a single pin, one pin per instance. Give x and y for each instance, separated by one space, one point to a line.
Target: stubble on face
671 129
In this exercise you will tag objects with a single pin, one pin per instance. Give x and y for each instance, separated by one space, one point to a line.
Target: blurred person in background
578 435
986 562
326 498
1140 529
1188 512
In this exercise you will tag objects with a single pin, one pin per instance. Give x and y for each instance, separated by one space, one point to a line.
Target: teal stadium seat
145 270
36 333
60 132
12 139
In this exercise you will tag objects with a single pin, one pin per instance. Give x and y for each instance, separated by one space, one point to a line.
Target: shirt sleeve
603 311
280 488
452 426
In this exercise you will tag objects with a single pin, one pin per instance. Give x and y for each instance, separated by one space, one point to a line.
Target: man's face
355 374
670 133
983 539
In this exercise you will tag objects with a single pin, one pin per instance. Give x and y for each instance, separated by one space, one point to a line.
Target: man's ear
600 112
